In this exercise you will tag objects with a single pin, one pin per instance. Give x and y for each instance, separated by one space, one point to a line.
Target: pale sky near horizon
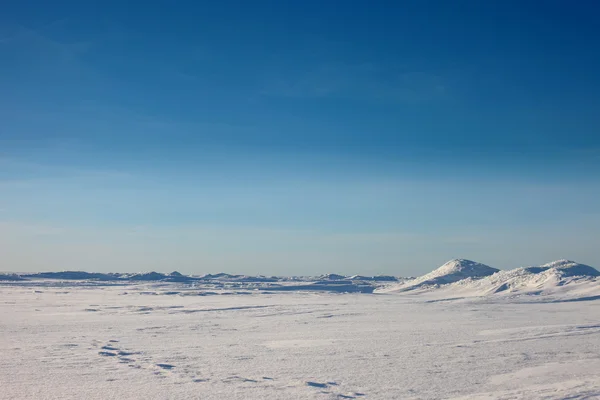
297 138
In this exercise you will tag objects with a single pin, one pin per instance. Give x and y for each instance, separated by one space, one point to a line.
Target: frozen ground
170 340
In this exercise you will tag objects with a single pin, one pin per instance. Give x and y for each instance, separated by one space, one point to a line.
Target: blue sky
298 137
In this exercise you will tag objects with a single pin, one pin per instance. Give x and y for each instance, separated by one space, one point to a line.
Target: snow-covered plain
464 331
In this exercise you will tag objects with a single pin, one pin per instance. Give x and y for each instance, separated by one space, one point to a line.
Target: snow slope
561 280
452 271
558 277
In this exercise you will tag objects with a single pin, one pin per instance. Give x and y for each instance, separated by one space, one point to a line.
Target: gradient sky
298 137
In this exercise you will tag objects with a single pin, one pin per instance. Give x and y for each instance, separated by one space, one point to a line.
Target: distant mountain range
457 277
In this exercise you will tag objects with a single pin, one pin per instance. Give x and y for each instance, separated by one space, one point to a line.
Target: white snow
559 277
452 271
529 333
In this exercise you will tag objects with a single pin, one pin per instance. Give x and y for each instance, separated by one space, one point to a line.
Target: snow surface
452 271
529 333
561 280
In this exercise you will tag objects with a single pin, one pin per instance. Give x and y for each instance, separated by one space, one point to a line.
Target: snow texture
463 331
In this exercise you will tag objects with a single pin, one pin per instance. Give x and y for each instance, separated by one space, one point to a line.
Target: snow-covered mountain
463 278
452 271
565 269
557 276
455 270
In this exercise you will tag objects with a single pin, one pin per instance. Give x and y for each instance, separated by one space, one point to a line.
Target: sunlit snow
463 331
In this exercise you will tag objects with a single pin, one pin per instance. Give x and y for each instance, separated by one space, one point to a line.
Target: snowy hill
557 277
452 271
331 277
219 276
566 268
561 280
376 278
145 276
71 275
10 277
455 270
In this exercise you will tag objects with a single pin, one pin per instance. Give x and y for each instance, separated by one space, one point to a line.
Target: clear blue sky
298 137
